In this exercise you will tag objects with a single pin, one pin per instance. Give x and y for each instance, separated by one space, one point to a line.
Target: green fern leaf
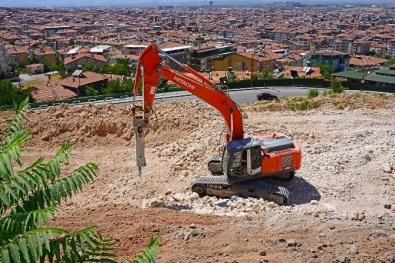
149 254
24 180
23 247
14 251
32 245
11 191
5 256
3 169
20 187
4 198
39 244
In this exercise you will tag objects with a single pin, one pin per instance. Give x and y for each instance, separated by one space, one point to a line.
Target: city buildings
208 37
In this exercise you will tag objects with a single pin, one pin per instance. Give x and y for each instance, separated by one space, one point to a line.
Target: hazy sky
59 3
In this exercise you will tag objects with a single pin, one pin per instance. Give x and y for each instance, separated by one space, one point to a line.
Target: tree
326 70
60 67
336 86
29 198
46 67
91 91
87 67
266 73
112 87
121 67
127 85
115 86
71 42
105 68
10 93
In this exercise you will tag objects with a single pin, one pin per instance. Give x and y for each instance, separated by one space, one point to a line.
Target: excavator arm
150 70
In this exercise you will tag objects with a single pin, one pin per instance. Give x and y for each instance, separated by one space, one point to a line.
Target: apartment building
202 56
391 48
247 61
361 47
18 56
51 30
305 42
340 61
4 67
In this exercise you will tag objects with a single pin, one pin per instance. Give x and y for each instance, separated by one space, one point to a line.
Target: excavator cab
250 158
240 160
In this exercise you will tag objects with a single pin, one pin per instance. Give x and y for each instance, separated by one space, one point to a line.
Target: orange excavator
244 162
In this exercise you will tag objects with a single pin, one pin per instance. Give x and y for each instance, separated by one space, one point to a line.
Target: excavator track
219 186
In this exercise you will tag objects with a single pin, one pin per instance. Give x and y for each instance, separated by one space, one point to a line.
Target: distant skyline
140 3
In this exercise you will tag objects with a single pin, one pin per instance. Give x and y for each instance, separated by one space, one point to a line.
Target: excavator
244 162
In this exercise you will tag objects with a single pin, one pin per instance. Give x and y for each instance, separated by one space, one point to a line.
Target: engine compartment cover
276 144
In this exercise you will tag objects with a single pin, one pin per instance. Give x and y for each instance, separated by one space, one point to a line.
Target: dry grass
338 101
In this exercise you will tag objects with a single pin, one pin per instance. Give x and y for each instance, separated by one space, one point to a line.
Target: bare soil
338 201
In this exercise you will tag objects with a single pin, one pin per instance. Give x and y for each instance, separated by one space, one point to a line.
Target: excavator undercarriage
219 186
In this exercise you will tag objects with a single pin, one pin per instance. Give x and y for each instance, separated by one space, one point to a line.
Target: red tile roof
15 50
69 60
51 92
315 73
264 56
87 78
366 60
44 51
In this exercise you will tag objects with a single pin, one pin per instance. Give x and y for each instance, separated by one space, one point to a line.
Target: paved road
239 96
249 95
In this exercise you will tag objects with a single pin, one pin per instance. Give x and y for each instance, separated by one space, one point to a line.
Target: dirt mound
88 124
94 125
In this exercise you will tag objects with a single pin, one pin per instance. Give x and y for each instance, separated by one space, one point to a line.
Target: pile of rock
234 206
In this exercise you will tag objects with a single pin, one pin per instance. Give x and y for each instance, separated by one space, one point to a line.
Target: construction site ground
342 201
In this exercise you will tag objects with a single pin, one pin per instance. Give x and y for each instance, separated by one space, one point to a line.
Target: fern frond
10 147
61 189
28 199
16 224
86 245
29 246
31 178
15 123
149 254
22 184
61 158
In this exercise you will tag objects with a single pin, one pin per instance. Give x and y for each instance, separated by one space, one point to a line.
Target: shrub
336 86
91 91
302 105
313 93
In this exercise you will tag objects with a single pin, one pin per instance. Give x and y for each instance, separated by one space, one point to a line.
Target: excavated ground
341 199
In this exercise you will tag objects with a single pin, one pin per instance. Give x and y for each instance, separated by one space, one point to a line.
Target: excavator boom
152 70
